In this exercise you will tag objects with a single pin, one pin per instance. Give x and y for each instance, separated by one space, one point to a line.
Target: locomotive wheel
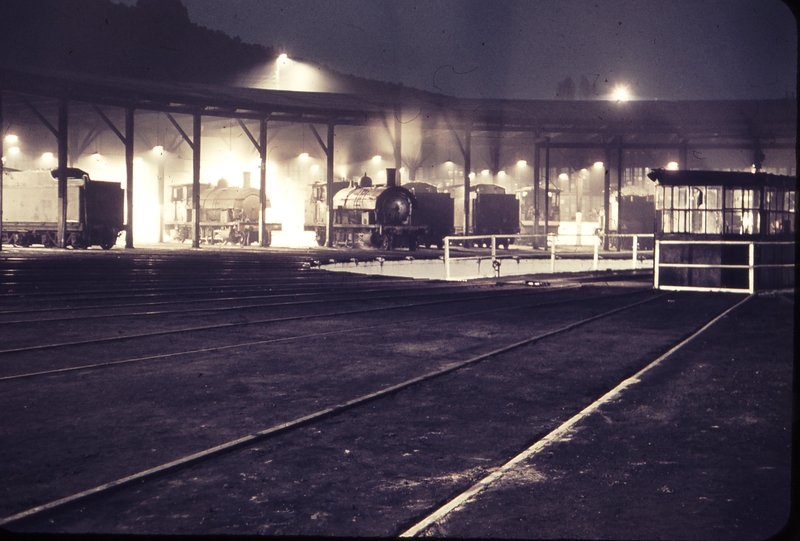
386 242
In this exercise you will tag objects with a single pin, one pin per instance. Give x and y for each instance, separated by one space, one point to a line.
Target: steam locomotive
227 214
94 213
379 215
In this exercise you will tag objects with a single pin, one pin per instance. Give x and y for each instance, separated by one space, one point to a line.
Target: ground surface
698 448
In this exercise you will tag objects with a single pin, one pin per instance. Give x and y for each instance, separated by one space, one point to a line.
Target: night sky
522 49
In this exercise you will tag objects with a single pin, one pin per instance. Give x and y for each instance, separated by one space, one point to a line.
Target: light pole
282 58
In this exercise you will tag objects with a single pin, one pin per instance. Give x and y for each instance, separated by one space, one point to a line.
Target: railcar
316 209
631 214
435 212
527 210
94 214
227 214
492 211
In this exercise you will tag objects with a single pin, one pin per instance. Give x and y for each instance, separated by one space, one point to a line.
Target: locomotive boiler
94 214
227 214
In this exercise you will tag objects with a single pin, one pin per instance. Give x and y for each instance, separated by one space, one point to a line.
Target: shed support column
160 177
129 175
467 167
606 189
2 131
262 182
196 180
329 190
536 202
547 186
619 196
63 149
398 145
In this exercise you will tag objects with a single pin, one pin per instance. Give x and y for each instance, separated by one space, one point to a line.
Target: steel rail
556 434
305 420
289 338
228 325
446 290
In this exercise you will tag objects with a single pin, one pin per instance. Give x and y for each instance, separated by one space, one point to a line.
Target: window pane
667 197
714 222
713 197
733 222
697 221
682 197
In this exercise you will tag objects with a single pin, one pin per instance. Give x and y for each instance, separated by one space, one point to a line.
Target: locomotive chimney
245 179
391 177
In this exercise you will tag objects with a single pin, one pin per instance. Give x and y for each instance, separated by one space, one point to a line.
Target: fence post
596 256
635 249
656 248
494 248
447 258
552 253
751 271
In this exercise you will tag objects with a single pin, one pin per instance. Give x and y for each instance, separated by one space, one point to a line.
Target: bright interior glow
485 172
563 177
501 173
158 149
315 167
13 150
472 175
304 156
11 138
672 166
283 57
598 165
522 163
47 156
620 94
376 159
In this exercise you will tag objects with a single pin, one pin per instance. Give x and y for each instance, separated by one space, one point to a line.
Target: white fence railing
751 265
558 246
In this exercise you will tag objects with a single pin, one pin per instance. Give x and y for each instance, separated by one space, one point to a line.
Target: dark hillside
152 40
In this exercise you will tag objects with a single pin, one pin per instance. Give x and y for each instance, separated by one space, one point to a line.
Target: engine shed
724 231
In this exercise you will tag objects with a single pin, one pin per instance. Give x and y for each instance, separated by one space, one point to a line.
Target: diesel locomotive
227 214
94 214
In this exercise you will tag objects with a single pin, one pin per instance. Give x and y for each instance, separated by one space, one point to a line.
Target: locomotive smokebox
391 177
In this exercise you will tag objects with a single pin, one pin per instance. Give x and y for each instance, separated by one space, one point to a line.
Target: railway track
367 421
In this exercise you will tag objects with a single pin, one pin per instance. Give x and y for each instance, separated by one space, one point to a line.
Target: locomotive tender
493 211
227 214
30 209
